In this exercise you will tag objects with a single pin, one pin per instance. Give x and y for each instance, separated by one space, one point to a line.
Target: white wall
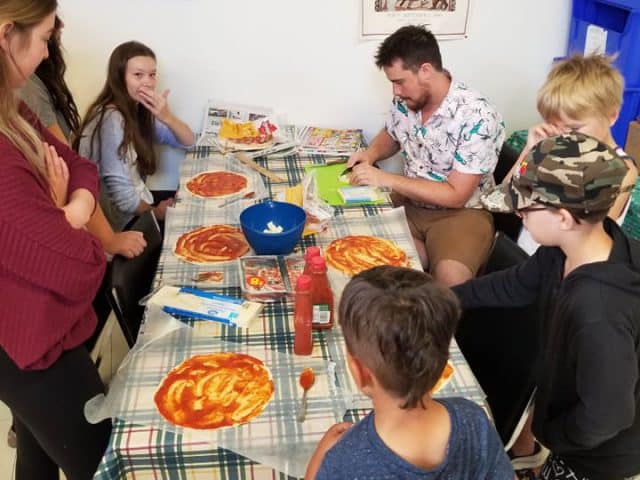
305 58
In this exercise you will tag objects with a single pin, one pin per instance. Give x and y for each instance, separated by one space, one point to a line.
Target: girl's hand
57 175
129 244
160 210
156 103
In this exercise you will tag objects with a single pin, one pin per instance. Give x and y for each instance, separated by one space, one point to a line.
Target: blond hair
24 14
580 87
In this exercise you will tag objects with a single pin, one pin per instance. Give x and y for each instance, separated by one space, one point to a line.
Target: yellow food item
234 130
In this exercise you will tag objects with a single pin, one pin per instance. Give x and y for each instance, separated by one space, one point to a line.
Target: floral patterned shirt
465 134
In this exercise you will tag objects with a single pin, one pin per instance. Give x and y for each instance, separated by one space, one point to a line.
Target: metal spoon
307 379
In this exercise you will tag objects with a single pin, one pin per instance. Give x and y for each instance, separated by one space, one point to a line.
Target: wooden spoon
307 379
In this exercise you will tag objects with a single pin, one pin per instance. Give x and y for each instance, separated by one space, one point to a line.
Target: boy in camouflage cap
585 279
573 171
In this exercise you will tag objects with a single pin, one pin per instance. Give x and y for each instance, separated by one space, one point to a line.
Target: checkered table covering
141 451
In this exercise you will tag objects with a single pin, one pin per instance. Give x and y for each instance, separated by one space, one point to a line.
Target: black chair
501 346
131 279
507 223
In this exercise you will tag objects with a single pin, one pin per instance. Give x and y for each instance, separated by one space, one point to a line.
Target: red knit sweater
49 271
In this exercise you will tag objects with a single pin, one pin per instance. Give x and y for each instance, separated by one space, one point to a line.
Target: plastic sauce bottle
302 316
321 295
309 254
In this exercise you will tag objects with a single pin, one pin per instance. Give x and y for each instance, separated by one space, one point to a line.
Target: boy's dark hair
399 323
413 45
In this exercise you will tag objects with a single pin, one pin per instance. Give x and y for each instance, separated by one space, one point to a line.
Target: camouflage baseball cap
573 171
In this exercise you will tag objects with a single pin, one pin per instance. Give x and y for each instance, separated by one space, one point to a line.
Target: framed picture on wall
445 18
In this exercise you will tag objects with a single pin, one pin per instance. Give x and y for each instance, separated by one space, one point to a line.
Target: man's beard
417 105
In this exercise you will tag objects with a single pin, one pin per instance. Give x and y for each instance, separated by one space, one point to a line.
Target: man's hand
128 244
366 174
57 174
360 157
330 438
160 210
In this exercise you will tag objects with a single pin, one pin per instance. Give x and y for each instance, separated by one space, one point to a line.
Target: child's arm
536 134
128 244
157 104
330 438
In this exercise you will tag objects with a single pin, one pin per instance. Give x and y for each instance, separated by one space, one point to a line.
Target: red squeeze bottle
308 255
302 315
321 295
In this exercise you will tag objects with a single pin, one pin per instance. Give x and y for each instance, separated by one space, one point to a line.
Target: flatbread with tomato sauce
211 244
217 184
214 391
446 375
356 253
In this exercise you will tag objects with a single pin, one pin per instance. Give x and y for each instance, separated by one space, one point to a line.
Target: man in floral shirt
450 137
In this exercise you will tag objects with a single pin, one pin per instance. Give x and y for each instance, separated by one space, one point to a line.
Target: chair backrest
506 222
131 279
506 159
501 346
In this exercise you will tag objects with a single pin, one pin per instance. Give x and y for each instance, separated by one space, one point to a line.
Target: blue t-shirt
475 451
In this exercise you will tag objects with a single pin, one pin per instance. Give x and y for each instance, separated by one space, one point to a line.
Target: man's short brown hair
399 323
413 45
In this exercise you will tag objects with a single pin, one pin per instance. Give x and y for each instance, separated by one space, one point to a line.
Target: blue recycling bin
620 19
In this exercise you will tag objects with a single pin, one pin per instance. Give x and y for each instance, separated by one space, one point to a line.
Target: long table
142 451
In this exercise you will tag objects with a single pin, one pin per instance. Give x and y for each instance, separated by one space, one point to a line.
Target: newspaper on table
216 112
330 141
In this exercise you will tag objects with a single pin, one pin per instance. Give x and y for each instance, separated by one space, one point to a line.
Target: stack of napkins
195 303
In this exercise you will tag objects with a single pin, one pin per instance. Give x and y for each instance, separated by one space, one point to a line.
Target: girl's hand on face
57 175
156 103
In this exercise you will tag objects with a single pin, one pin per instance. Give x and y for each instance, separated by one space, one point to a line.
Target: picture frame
446 19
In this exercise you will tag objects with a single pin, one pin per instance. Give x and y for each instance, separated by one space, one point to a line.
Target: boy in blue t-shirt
398 324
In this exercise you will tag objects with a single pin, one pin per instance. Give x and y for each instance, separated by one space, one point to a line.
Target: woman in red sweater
50 269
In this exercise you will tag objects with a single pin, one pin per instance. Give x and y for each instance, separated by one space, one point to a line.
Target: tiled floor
111 346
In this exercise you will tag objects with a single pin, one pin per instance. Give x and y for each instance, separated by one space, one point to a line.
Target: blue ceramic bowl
254 220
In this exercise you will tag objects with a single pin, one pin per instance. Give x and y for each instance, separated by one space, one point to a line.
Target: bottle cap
304 282
311 252
318 263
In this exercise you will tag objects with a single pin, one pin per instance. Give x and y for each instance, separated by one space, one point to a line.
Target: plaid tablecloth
142 451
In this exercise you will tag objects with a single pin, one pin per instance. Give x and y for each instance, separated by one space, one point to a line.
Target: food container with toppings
262 278
294 266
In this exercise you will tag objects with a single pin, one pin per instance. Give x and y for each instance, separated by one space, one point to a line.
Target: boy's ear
613 117
567 222
362 376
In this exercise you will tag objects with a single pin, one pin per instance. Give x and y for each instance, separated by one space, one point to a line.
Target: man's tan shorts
461 234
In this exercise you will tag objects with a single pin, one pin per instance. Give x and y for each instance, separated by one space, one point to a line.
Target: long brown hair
51 71
138 121
24 14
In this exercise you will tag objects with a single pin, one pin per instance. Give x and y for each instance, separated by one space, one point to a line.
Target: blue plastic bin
630 111
621 20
